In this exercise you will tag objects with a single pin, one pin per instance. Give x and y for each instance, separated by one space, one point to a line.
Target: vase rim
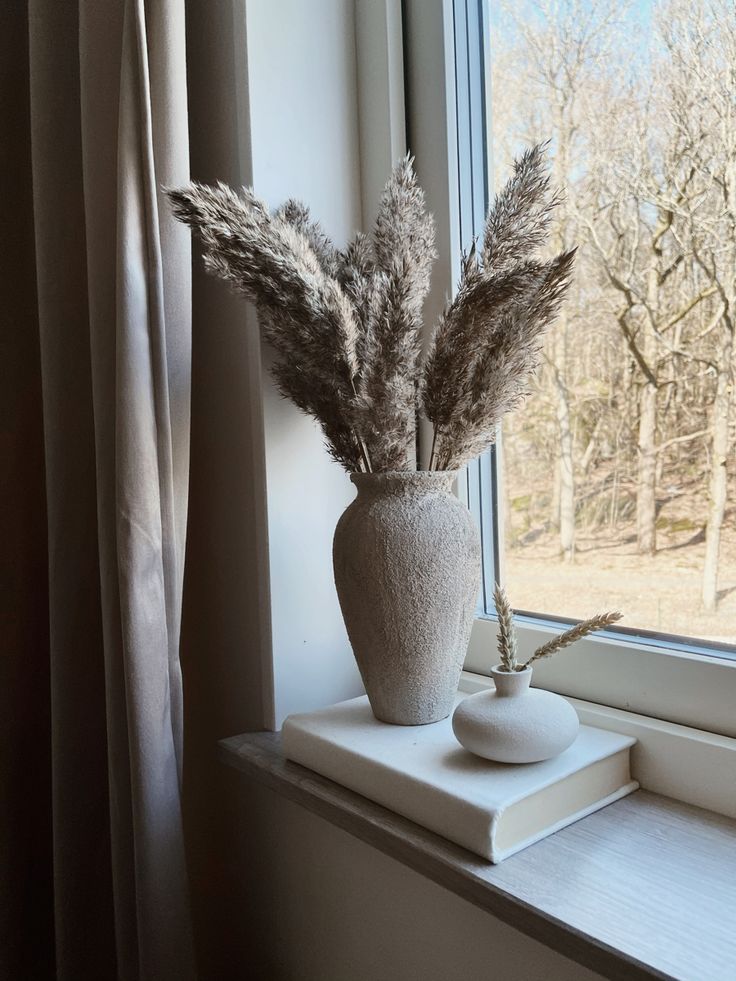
403 477
511 683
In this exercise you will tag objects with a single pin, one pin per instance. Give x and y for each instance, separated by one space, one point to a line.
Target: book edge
499 855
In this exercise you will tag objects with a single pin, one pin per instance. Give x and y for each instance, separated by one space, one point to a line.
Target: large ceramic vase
407 571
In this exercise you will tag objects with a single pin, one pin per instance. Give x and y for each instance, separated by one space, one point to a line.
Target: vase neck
410 483
511 683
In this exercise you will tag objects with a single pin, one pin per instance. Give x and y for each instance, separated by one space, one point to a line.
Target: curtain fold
108 130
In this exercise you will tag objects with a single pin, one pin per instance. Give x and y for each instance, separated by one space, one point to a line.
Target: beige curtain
108 127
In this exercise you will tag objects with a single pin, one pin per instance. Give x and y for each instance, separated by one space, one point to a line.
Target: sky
635 15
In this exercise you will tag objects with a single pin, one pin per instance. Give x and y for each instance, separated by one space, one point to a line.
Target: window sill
637 890
687 688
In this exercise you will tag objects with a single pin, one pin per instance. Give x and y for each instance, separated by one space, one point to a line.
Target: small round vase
515 723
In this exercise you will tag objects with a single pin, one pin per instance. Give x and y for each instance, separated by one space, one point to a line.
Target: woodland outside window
615 486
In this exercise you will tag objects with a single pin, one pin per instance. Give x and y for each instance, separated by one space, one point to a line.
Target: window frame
446 53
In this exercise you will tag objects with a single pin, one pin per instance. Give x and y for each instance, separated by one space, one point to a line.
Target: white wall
304 143
330 908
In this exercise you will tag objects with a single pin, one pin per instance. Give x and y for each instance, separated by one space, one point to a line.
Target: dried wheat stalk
580 630
507 643
506 630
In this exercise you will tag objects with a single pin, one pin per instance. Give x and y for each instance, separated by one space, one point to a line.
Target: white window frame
447 92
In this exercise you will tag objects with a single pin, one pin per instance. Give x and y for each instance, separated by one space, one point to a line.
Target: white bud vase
515 723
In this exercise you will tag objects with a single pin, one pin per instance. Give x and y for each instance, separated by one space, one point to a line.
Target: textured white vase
515 723
407 570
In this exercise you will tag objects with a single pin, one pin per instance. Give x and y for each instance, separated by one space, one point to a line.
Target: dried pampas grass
403 252
305 315
488 340
346 324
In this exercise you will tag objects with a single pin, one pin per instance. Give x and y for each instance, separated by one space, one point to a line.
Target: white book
424 774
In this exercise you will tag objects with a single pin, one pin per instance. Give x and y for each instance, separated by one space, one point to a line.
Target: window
557 569
618 486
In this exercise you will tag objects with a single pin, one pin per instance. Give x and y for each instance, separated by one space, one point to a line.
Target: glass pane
619 483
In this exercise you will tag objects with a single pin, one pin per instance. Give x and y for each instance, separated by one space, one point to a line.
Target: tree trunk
554 506
565 462
646 483
646 492
718 481
566 472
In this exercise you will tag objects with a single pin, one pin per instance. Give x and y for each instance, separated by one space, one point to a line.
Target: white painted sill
673 760
683 687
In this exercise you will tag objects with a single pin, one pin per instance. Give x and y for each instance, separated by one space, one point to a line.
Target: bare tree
561 46
632 425
641 190
700 38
